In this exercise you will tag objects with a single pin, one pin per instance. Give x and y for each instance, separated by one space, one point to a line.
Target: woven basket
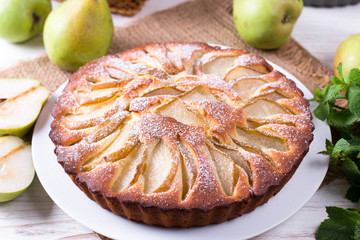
329 3
124 7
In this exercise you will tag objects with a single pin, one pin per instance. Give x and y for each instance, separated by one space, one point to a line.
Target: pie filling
182 127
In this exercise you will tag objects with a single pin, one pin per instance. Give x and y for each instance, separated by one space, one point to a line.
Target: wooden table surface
34 215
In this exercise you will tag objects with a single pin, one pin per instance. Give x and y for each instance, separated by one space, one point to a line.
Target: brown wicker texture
124 7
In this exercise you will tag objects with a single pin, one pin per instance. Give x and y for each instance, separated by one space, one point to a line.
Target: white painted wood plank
304 223
321 30
34 215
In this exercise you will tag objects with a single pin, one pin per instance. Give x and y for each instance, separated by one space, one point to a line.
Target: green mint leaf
343 216
329 148
341 119
331 230
353 94
329 145
353 193
357 231
339 69
336 80
318 92
351 170
324 152
325 90
353 149
322 111
340 145
342 223
332 92
354 142
317 96
353 76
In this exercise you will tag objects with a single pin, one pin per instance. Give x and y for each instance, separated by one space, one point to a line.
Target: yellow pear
348 53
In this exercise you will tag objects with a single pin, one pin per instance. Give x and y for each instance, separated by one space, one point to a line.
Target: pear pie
180 134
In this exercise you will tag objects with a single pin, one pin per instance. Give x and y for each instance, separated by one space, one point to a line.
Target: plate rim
191 233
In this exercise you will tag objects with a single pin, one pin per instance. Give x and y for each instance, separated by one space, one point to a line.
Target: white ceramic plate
75 203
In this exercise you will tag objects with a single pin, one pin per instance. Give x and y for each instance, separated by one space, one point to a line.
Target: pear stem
285 18
36 19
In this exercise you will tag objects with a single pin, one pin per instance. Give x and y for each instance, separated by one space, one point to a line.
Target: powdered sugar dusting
252 60
138 71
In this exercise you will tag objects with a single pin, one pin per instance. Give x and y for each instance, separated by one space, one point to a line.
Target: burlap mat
200 20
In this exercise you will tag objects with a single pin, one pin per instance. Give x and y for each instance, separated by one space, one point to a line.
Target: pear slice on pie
263 108
21 102
218 66
246 87
240 71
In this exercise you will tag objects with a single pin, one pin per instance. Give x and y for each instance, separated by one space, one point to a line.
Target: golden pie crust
180 134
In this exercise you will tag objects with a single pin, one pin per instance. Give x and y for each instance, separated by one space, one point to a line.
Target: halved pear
20 103
16 167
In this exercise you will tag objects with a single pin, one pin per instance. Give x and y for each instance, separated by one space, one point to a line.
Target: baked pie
180 134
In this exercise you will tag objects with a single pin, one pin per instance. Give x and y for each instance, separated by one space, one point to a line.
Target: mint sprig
330 108
339 105
343 224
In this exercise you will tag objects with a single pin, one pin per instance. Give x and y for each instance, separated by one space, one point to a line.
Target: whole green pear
77 32
266 24
21 20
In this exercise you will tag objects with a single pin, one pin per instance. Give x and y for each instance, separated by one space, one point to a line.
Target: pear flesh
20 103
77 32
16 167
